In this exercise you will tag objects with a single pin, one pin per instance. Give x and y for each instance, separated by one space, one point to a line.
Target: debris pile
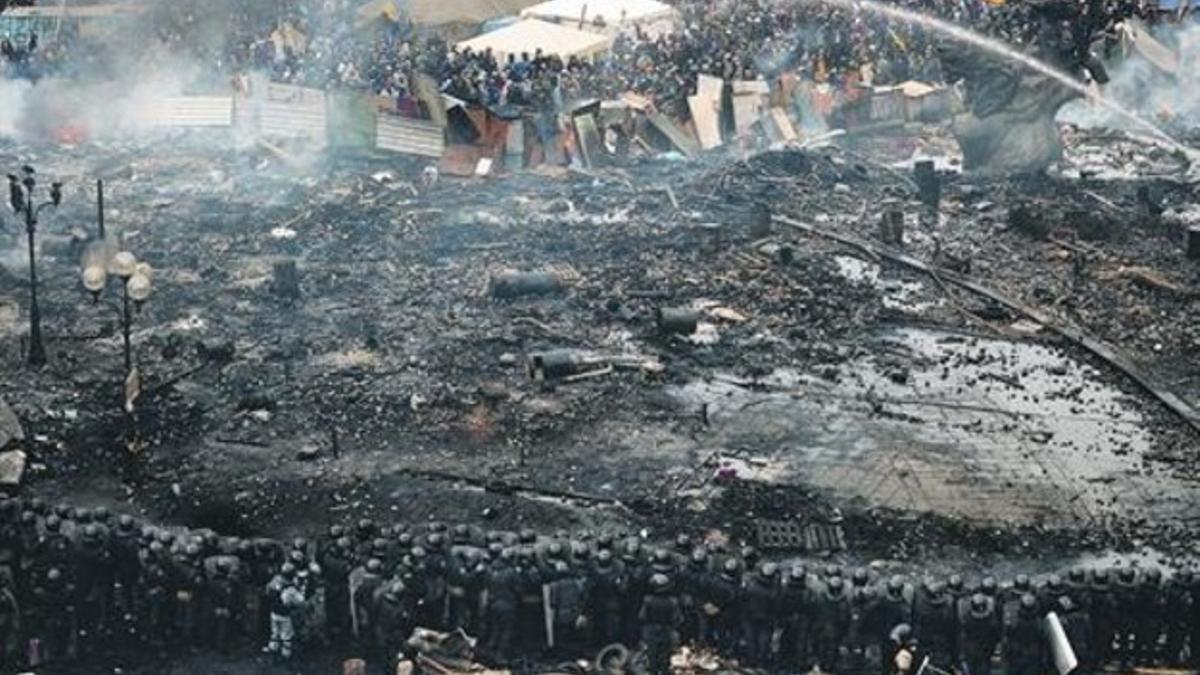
694 661
476 348
441 653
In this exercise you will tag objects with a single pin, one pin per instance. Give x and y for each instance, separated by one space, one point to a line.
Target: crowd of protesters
77 582
327 44
744 40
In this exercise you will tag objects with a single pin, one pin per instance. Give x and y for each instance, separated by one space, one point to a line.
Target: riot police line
77 582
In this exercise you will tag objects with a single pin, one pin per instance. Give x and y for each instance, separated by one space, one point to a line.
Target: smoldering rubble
778 337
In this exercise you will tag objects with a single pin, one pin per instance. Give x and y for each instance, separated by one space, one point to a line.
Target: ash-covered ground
826 383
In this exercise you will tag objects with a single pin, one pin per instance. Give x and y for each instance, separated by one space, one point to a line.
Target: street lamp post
21 198
100 206
136 284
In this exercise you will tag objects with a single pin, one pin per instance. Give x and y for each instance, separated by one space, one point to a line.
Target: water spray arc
982 42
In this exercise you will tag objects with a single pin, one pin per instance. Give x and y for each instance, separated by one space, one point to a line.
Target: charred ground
395 385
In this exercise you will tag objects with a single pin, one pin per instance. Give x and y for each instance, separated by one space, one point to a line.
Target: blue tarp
1172 5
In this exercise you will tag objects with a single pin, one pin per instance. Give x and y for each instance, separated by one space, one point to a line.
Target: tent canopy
612 11
440 12
531 35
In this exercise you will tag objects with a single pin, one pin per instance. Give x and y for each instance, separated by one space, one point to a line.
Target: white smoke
120 73
1138 85
13 97
64 110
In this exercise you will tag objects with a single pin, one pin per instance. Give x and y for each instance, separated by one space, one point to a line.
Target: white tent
608 16
530 35
439 12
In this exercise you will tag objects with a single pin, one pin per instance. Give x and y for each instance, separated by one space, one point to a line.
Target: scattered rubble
438 653
10 427
12 468
405 368
691 661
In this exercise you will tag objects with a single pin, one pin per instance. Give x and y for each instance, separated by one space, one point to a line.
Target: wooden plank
636 101
783 125
683 141
514 145
707 119
709 86
591 148
761 87
747 109
772 130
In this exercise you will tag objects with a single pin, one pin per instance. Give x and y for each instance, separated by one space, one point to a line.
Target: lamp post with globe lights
136 285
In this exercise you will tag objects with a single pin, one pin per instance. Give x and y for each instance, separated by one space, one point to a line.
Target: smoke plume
104 86
1138 85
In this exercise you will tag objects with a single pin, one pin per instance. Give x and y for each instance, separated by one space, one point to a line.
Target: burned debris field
820 388
795 339
398 380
